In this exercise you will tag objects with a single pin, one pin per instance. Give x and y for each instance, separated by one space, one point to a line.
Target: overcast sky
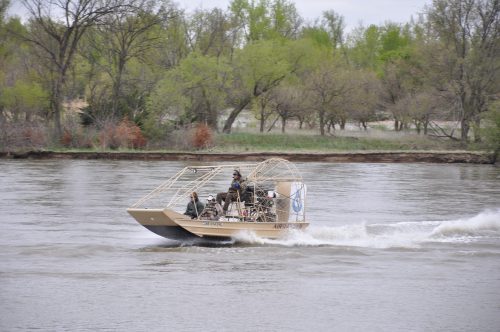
355 11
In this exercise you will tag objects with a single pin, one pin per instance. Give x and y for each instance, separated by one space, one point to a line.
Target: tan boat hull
157 222
174 225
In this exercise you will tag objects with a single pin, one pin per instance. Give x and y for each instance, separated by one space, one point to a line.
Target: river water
392 247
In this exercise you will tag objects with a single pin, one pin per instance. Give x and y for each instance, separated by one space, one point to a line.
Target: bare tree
209 32
262 109
56 28
325 85
363 97
287 102
393 90
470 33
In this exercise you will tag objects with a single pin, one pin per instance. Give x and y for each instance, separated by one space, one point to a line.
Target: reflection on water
391 246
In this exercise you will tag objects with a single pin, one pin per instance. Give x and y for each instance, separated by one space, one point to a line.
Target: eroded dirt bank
369 157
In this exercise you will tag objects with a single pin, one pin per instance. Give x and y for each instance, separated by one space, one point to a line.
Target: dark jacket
237 186
192 211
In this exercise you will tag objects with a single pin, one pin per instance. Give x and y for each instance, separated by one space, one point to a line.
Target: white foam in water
481 224
399 235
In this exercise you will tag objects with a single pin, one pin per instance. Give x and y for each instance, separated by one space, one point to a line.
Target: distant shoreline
335 157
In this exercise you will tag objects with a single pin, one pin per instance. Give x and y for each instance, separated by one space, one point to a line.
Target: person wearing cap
233 192
194 207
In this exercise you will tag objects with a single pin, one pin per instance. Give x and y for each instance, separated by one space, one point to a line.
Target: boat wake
397 235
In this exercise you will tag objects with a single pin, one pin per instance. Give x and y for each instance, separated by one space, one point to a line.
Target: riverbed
391 247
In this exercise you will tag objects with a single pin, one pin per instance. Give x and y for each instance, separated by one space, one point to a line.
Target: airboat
271 204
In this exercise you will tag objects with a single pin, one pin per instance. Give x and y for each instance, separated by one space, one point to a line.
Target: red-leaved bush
202 136
124 135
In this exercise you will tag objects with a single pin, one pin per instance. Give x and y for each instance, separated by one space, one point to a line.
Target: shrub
492 128
125 134
26 135
35 136
202 137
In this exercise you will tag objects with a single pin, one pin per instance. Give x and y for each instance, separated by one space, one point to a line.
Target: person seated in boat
234 191
212 209
194 207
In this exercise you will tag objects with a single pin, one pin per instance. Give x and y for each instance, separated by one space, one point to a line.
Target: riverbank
339 157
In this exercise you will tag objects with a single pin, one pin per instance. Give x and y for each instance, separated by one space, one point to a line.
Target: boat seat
247 195
235 208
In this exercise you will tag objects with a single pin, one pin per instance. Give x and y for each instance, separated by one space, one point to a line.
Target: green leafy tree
211 33
258 68
192 92
124 39
22 91
334 24
365 47
266 19
24 100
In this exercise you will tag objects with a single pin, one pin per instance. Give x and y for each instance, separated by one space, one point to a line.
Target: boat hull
173 225
157 222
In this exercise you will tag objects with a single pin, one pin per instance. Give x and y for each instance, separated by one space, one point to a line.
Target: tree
262 109
191 92
24 98
287 101
364 47
325 85
334 24
469 32
22 93
174 43
4 4
492 130
209 32
56 28
123 37
362 98
257 69
266 19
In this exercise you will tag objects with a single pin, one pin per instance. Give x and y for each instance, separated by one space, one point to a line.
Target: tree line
162 69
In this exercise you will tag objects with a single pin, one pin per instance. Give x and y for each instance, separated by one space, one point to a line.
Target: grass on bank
241 142
277 142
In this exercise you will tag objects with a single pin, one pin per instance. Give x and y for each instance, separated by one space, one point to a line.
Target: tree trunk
477 129
283 124
233 115
342 124
396 125
464 132
210 117
322 123
56 105
262 119
272 124
117 87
